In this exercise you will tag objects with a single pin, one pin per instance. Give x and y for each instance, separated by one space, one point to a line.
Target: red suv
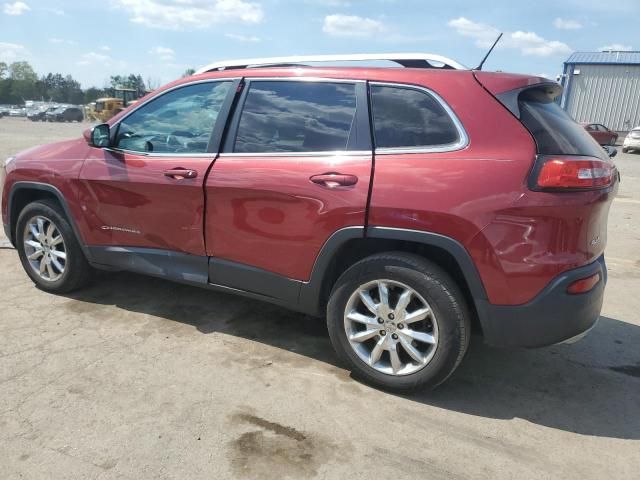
407 205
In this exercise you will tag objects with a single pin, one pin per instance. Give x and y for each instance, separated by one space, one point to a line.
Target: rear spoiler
507 88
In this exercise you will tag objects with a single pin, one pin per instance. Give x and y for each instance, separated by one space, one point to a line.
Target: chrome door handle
180 173
333 179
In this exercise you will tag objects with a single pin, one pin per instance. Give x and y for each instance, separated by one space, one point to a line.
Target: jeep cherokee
404 204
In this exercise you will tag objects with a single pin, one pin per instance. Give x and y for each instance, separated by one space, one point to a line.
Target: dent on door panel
128 201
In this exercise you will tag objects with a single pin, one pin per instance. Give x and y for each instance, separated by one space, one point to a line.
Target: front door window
178 122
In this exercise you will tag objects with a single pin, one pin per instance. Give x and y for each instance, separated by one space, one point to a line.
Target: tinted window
290 116
180 121
555 132
405 117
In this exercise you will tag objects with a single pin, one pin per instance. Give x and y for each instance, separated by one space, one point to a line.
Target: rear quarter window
554 131
411 118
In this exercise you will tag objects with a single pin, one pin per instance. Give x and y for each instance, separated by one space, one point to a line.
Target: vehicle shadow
590 388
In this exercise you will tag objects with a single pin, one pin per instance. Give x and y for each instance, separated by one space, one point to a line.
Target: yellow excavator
106 107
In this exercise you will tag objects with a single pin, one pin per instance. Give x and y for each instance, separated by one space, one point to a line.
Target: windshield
554 131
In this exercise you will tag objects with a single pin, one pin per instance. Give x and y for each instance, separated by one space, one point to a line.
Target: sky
160 39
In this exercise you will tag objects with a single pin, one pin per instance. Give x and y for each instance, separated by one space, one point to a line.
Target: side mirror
100 136
611 151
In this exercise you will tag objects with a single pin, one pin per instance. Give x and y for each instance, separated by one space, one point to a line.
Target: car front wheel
399 321
48 249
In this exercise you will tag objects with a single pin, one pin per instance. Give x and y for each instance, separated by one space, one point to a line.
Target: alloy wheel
391 327
44 248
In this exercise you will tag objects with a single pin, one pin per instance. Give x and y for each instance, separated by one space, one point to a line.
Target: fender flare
310 292
44 187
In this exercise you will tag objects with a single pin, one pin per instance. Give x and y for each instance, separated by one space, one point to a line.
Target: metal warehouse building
603 87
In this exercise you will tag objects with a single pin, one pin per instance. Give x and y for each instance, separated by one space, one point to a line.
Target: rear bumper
553 316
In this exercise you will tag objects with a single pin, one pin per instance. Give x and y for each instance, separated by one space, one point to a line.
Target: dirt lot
139 378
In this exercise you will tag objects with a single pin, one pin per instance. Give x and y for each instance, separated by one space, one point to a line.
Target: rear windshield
554 131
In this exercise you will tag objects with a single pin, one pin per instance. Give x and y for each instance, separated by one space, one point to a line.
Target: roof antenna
479 67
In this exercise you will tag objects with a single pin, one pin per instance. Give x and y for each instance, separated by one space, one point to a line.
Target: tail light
558 172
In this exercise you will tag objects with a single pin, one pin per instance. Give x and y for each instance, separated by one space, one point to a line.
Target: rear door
147 191
295 168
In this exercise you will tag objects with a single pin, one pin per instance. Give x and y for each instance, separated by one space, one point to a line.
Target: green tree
22 79
22 71
92 94
188 72
4 68
129 81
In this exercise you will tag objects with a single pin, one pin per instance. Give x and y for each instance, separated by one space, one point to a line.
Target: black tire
77 271
435 286
625 150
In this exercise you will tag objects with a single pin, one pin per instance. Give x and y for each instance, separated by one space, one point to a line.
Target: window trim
215 139
361 120
463 138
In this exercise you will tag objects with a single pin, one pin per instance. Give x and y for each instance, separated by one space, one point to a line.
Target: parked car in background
602 134
17 112
39 114
378 198
632 141
4 110
65 113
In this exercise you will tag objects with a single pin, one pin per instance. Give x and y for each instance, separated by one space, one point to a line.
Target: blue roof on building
623 58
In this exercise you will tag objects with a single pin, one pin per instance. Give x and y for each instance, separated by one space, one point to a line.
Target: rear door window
406 117
554 131
296 116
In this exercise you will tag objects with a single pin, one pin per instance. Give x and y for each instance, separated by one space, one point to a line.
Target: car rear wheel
48 249
399 321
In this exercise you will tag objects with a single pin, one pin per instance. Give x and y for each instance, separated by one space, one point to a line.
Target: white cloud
616 47
330 3
59 41
94 58
567 24
16 8
484 35
105 48
10 52
351 26
243 38
528 43
180 14
163 53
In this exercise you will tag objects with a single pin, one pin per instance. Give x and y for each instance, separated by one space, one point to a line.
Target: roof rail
409 60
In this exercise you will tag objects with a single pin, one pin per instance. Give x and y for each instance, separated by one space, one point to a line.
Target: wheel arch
349 245
23 193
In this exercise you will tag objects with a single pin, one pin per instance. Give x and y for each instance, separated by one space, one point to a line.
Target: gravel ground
139 378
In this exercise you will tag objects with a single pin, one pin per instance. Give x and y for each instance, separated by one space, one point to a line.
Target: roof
416 60
611 57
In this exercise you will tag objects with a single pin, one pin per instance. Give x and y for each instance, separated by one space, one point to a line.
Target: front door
295 168
147 190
